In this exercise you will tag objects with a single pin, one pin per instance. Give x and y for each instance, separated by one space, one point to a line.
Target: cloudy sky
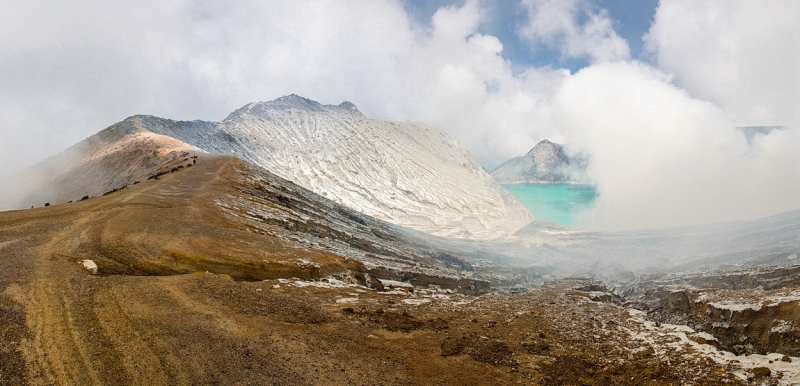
652 92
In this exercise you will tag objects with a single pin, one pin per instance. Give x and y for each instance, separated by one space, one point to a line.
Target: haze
658 123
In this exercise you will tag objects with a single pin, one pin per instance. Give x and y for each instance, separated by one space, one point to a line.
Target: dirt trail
78 332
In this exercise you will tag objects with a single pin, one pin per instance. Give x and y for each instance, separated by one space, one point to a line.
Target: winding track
81 332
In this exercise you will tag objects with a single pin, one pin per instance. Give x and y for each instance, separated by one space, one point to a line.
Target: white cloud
557 24
664 144
663 158
74 68
740 54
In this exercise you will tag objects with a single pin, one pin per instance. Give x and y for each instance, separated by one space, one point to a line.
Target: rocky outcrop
732 311
743 322
546 162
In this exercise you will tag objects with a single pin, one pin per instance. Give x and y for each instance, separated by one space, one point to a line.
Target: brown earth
193 290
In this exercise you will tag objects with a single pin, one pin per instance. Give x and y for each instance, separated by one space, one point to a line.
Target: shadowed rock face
546 162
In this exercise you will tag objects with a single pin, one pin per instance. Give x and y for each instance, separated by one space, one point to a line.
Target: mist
663 139
659 130
670 159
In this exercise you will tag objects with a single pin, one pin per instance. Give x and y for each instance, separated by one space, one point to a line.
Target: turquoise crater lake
559 203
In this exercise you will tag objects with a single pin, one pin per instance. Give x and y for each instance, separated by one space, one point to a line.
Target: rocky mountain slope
120 155
545 162
406 173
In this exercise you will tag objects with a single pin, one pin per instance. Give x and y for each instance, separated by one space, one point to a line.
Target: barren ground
165 309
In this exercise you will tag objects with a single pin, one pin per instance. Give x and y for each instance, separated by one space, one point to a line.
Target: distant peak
292 102
750 132
346 105
545 162
296 101
542 145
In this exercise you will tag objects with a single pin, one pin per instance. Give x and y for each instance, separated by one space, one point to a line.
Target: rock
677 301
90 265
761 371
644 353
536 347
786 358
704 338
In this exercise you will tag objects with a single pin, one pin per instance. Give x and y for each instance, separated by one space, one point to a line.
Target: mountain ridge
407 173
119 155
293 101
